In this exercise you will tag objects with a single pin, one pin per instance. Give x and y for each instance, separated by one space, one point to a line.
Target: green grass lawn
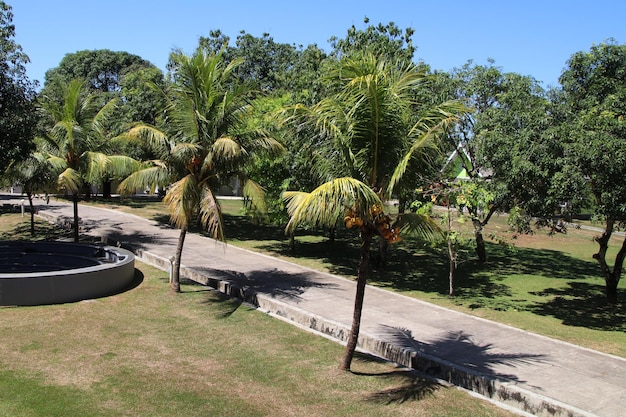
149 352
545 284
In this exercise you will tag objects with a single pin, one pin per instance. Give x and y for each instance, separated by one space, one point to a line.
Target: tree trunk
332 233
361 280
452 258
292 243
75 226
481 252
383 249
611 276
32 213
179 253
106 189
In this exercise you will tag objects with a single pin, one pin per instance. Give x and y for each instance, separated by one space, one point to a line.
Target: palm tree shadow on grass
408 384
43 231
228 305
411 387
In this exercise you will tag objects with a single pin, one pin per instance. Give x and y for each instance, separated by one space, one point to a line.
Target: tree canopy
594 88
17 94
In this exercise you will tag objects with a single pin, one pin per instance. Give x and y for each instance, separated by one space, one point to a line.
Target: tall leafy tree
504 144
17 94
113 75
285 73
388 41
479 86
594 87
76 143
521 148
103 69
203 141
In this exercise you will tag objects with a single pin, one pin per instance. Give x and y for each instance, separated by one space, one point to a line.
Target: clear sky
529 37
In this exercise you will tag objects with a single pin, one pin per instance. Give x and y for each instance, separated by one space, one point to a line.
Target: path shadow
117 234
458 348
272 282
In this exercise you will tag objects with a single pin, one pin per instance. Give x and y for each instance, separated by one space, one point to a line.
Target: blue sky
528 37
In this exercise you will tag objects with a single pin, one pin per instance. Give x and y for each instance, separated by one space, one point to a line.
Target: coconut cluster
380 220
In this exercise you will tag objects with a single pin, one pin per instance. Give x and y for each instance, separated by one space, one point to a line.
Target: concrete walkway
536 374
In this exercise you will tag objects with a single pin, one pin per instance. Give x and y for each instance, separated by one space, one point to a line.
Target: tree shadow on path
458 348
272 282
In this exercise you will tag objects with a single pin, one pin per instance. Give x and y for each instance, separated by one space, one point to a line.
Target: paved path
536 374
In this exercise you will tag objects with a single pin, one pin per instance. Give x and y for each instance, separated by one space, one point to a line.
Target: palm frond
225 148
182 198
120 166
152 175
425 133
70 180
103 115
255 196
327 204
421 226
151 134
57 163
211 214
96 165
293 200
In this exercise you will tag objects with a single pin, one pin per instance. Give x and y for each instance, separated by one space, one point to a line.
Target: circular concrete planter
34 273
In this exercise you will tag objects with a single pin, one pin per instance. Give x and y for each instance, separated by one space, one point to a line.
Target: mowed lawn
149 352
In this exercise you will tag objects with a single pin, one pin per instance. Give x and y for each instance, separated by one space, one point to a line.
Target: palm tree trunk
353 338
75 203
179 253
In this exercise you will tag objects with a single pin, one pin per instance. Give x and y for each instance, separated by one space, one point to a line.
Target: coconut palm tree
360 208
369 138
205 139
75 142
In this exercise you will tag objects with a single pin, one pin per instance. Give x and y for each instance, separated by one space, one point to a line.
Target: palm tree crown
76 143
204 140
